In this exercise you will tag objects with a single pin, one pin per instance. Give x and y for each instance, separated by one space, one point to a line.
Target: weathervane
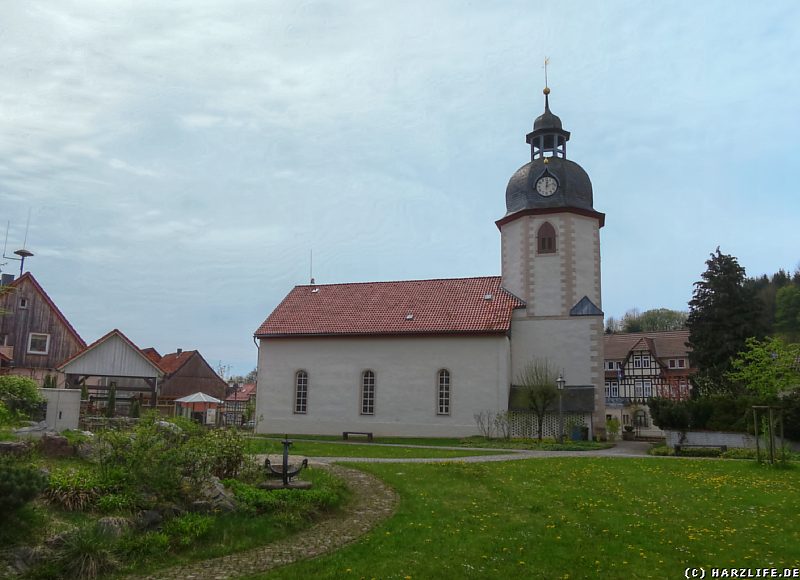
546 62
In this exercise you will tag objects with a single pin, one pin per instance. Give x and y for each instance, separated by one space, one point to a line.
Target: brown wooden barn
186 372
35 337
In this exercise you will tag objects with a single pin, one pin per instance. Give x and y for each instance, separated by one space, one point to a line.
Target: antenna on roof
311 265
22 252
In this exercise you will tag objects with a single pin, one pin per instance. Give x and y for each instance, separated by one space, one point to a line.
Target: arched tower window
301 392
443 393
546 239
368 393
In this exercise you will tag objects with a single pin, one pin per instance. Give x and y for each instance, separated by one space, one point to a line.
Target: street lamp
560 382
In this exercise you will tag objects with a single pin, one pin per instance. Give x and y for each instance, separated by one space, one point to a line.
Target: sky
180 161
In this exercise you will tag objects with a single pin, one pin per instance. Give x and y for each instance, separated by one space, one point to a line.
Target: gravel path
622 449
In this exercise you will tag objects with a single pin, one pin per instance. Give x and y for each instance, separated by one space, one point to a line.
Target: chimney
6 279
180 350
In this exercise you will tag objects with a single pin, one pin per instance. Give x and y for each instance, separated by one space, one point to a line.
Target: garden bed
159 495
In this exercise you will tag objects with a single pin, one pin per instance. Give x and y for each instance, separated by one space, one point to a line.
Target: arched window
546 239
443 392
368 393
301 392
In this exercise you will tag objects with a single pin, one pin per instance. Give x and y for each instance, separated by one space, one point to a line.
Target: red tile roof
53 307
172 362
670 344
243 393
152 354
444 306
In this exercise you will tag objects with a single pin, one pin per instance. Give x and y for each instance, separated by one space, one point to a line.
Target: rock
171 510
113 527
148 519
170 427
24 558
59 539
33 430
85 450
213 492
56 446
201 507
15 448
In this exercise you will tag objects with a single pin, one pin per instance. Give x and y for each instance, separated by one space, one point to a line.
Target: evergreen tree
111 406
787 312
723 313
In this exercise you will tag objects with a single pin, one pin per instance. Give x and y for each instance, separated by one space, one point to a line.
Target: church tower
550 240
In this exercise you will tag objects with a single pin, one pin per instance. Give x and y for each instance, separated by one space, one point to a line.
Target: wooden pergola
117 360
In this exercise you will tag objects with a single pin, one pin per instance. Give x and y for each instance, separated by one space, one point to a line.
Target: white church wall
514 254
586 253
406 371
564 341
547 270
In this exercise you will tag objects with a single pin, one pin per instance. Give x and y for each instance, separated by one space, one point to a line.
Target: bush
791 415
739 453
75 489
116 502
290 507
711 413
184 530
86 554
20 394
19 484
141 547
661 451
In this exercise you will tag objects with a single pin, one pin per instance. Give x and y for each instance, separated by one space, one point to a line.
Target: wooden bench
346 434
722 448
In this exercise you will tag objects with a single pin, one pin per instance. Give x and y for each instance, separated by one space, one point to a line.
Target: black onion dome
547 120
574 185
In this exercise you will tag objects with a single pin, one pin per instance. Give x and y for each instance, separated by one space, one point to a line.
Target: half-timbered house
35 336
642 365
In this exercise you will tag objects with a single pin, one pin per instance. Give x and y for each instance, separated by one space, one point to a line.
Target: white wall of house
406 372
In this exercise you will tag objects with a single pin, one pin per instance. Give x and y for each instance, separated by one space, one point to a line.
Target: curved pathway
621 449
372 502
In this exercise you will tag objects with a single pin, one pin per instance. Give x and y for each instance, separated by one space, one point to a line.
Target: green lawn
574 518
323 449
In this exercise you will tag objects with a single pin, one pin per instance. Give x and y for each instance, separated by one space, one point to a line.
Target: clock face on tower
546 186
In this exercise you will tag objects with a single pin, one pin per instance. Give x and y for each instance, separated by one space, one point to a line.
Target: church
424 357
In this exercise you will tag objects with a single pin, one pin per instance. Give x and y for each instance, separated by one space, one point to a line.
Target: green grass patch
574 517
325 449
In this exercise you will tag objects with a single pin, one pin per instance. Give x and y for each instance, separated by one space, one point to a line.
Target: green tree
20 395
111 405
662 319
787 312
723 314
538 380
768 367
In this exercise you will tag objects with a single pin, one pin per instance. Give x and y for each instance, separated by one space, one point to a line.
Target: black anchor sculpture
284 472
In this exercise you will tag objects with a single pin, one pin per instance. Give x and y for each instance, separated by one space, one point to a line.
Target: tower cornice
600 217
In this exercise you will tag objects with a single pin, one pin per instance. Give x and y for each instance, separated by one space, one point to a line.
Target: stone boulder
113 527
212 496
56 446
15 448
148 519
